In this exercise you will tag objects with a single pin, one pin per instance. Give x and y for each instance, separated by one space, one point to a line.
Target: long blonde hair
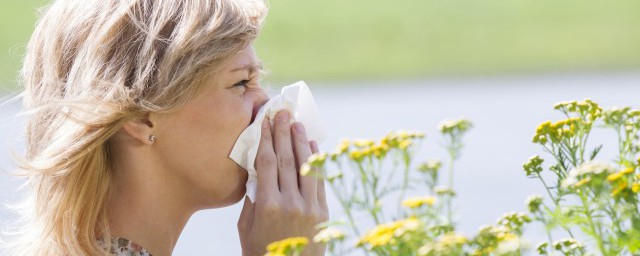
91 65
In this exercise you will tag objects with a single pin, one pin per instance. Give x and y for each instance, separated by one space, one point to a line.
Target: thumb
246 216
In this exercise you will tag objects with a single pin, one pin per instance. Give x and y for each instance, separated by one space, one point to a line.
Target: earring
152 138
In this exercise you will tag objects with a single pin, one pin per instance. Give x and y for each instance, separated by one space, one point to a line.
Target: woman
134 107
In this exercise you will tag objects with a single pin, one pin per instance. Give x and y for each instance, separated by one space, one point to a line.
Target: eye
242 83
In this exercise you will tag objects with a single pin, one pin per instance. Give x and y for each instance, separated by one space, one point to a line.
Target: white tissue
295 98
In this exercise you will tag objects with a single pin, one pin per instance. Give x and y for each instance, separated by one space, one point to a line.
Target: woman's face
195 141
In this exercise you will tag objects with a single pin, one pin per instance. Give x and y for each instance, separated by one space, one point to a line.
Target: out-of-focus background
376 66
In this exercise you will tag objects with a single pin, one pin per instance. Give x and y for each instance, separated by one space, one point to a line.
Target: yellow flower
342 148
402 134
385 234
506 236
363 143
416 202
356 155
380 150
635 187
452 240
409 224
404 144
582 182
286 246
617 175
620 188
305 169
380 235
317 158
614 176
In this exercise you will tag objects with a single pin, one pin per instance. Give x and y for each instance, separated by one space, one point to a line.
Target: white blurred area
505 111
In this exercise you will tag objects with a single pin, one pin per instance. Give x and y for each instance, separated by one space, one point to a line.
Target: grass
331 39
17 20
373 39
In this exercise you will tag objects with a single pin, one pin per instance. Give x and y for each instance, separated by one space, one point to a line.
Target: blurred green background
337 40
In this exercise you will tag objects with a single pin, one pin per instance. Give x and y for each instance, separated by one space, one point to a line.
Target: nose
259 101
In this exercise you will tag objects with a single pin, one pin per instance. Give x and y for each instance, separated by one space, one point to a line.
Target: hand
286 203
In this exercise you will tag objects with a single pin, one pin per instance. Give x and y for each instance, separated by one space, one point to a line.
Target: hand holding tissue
295 98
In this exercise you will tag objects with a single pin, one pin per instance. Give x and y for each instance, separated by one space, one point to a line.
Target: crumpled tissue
297 99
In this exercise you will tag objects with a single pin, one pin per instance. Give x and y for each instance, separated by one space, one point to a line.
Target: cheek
199 142
221 120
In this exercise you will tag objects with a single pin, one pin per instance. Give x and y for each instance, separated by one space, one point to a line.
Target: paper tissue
295 98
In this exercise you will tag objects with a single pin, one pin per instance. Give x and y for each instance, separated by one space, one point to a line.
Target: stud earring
152 138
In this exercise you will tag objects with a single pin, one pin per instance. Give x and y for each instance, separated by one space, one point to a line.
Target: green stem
347 211
369 191
345 208
614 217
555 201
555 156
450 198
592 224
405 180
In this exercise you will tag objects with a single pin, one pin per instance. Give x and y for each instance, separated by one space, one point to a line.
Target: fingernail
284 116
298 127
265 122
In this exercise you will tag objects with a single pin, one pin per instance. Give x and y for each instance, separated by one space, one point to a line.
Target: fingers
321 195
266 166
287 174
246 216
309 183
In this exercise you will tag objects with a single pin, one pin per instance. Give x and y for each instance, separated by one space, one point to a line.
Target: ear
141 129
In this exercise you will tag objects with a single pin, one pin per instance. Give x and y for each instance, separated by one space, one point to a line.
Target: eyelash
242 83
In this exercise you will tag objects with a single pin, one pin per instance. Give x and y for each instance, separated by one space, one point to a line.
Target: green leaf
595 152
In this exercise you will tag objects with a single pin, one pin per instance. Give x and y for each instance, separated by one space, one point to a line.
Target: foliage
590 198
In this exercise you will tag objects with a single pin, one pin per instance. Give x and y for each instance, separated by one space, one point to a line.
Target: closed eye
242 83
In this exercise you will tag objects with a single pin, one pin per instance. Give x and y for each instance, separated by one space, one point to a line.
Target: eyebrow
250 67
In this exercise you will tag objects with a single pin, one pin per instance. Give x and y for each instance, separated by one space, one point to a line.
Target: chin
234 193
236 196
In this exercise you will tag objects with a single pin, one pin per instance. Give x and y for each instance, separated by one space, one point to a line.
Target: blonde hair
91 65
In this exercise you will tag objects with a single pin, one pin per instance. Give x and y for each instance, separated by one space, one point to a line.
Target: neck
147 208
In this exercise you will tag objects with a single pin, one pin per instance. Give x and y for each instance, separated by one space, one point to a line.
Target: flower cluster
533 166
358 150
457 126
514 221
566 246
586 109
314 161
329 234
599 198
449 244
496 240
588 197
622 116
556 132
533 203
587 172
389 233
416 202
626 122
624 183
289 246
430 166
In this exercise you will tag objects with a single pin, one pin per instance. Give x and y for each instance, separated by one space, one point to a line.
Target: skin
160 185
